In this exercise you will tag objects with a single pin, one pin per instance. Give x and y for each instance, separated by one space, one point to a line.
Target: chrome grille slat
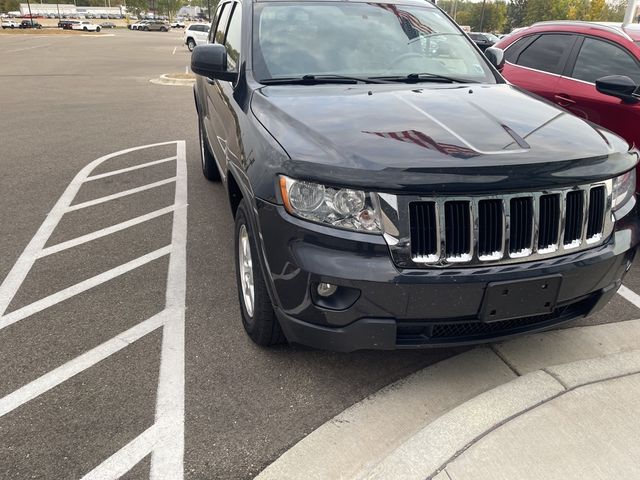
497 229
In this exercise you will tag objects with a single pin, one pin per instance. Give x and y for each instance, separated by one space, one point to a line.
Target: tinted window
598 59
363 39
232 41
222 24
513 51
547 53
217 20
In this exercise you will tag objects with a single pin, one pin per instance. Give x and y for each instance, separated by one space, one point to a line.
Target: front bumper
389 308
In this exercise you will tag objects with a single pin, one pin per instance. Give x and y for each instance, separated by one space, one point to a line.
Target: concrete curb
168 80
427 453
359 437
355 441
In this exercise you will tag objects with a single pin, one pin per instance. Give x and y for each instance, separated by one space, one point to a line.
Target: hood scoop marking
467 144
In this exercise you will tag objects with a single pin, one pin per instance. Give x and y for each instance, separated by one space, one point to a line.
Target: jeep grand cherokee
391 190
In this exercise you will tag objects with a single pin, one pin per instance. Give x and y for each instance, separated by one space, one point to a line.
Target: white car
138 25
196 34
86 26
10 24
177 24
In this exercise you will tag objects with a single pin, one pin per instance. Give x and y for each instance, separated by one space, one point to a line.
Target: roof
629 31
419 3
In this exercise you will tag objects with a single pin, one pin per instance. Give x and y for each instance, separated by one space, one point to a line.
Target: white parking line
64 372
127 457
106 231
629 295
174 50
18 272
78 288
28 48
129 169
125 193
166 459
165 439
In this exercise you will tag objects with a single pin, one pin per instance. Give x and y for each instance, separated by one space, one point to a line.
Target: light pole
484 3
30 16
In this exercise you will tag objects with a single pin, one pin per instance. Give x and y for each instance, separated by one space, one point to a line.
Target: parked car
386 199
590 69
177 24
483 40
156 26
196 34
67 24
30 24
10 24
86 26
138 25
108 25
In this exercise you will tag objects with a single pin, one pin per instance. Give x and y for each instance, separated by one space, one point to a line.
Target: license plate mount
520 298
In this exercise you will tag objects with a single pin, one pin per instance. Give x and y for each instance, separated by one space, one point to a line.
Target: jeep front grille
487 229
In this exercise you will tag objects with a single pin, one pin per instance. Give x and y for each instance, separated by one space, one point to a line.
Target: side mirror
618 86
211 61
495 56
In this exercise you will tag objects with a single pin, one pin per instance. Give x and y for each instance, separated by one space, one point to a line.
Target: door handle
564 100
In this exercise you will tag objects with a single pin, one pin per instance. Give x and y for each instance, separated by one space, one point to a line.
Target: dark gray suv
391 190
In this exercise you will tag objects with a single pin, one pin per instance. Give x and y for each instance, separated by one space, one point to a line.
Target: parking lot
119 325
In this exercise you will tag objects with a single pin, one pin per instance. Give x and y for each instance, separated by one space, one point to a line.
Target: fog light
326 289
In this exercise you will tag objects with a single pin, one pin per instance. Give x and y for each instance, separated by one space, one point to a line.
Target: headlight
624 187
338 207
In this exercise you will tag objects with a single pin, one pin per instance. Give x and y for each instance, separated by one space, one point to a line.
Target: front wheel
258 318
97 29
85 29
191 44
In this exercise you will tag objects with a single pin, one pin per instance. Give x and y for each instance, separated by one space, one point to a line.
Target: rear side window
547 53
512 52
598 59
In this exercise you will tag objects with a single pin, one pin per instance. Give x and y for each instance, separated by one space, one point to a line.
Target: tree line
502 16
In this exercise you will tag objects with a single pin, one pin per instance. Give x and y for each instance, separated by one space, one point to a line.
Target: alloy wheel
245 269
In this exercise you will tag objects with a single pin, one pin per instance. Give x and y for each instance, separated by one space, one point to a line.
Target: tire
146 29
97 29
209 166
191 44
85 29
261 324
163 29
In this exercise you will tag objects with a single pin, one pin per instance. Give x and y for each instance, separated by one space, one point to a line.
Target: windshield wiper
317 79
425 77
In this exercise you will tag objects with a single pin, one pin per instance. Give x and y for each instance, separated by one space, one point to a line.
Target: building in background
69 9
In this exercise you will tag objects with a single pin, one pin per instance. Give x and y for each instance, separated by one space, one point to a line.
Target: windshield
360 39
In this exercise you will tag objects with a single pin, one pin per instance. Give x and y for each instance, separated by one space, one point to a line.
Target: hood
438 137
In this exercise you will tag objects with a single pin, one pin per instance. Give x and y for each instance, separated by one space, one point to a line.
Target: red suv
581 66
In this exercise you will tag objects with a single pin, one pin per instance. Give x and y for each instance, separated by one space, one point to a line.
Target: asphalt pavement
91 338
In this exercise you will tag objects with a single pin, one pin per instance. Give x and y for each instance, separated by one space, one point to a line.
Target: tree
516 12
9 5
596 10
